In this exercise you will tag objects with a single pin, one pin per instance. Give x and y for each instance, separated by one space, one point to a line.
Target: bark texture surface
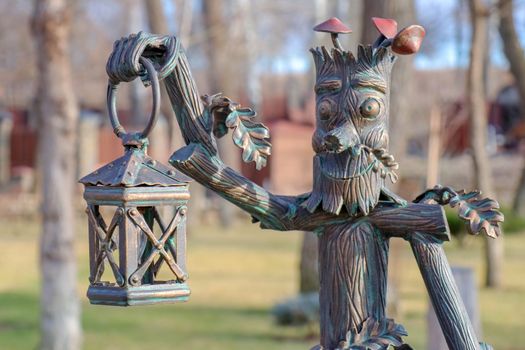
353 259
57 115
478 130
516 57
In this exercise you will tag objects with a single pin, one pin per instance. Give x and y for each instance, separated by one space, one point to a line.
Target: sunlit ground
236 277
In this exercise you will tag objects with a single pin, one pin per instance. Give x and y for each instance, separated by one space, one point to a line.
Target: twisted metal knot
124 63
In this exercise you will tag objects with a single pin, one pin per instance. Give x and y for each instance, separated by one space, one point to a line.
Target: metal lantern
136 187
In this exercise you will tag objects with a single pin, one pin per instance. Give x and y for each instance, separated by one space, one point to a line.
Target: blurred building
288 108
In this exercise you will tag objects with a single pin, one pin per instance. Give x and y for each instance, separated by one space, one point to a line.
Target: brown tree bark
137 94
185 20
479 15
402 87
158 24
309 264
511 45
516 57
57 112
372 8
220 76
309 258
401 93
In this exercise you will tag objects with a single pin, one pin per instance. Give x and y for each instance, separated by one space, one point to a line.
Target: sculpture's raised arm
200 159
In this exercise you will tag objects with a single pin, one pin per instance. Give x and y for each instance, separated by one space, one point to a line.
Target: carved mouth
350 164
345 180
345 165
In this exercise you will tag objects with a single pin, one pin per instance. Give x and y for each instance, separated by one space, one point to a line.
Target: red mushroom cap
332 25
385 26
408 40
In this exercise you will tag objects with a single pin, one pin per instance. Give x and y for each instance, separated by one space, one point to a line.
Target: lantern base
141 295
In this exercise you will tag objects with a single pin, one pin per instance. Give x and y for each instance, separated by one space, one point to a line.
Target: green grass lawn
236 277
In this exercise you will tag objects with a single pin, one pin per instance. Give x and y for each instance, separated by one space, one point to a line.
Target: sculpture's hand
480 214
170 62
248 134
437 195
123 64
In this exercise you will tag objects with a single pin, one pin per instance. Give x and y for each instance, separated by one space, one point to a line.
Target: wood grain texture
353 262
443 292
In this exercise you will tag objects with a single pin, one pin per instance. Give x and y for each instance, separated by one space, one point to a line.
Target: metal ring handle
118 129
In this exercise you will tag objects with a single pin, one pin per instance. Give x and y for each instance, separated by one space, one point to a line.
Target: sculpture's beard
341 179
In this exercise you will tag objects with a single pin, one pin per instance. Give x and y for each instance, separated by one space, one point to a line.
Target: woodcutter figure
349 207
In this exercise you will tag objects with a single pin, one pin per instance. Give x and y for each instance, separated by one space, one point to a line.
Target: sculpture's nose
341 138
333 143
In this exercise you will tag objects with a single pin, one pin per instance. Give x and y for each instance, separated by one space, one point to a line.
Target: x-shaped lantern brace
106 244
158 247
169 243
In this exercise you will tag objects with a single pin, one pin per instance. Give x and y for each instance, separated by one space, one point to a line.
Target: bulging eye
370 108
325 109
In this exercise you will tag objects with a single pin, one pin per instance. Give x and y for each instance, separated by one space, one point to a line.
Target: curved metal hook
118 129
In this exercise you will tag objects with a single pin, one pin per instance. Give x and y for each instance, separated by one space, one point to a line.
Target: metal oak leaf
387 164
218 108
247 134
485 346
250 136
481 214
374 335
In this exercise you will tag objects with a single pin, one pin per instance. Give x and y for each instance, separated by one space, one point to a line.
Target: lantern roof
135 169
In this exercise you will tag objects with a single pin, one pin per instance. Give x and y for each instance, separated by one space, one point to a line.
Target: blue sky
448 39
452 53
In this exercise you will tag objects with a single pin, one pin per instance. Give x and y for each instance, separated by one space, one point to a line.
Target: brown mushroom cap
332 25
408 41
385 26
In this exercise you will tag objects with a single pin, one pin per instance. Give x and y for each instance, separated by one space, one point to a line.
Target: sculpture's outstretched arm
285 213
211 172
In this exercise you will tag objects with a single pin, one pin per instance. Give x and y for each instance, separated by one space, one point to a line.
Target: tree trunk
518 204
402 87
516 57
478 129
372 8
185 20
353 261
57 113
248 29
197 206
511 46
402 91
137 93
309 264
221 80
158 24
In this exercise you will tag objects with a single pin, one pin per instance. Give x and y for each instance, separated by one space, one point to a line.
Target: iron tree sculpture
349 207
